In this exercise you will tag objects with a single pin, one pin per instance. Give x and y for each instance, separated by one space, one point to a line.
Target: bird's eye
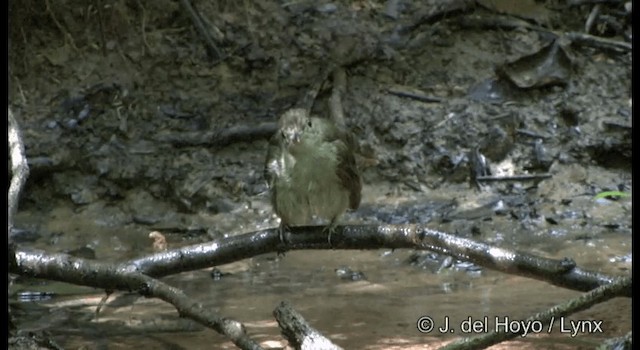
309 123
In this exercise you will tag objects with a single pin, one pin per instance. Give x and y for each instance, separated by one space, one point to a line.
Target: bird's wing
347 169
272 166
349 175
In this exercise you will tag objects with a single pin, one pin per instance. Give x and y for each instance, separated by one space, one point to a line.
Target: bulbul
311 170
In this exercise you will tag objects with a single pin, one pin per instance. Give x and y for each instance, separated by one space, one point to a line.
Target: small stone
327 8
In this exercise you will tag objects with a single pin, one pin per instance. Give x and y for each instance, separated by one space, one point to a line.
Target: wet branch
185 305
65 268
563 273
19 168
548 318
298 332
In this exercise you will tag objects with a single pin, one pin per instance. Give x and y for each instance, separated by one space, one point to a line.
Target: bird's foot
329 230
283 234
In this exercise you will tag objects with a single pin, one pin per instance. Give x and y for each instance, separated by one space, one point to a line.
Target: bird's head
293 124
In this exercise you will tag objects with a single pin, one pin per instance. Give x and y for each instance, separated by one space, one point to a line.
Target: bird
311 170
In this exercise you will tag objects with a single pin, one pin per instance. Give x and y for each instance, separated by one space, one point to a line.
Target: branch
19 168
411 93
442 10
519 177
298 332
220 138
65 268
562 273
335 102
617 288
210 45
598 42
185 305
508 23
309 98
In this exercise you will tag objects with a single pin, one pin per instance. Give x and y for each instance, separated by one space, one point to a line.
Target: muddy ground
126 118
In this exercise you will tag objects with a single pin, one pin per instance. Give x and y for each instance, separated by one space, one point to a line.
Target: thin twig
20 90
591 19
598 42
531 133
143 29
413 94
508 23
522 177
64 33
210 45
103 36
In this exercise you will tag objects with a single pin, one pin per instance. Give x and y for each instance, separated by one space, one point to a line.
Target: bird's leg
330 229
283 233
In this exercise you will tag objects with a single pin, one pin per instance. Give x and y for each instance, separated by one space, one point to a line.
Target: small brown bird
311 170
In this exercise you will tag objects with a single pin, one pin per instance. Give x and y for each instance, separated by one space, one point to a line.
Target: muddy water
378 312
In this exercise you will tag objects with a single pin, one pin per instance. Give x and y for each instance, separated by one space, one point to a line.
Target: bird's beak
292 137
296 137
